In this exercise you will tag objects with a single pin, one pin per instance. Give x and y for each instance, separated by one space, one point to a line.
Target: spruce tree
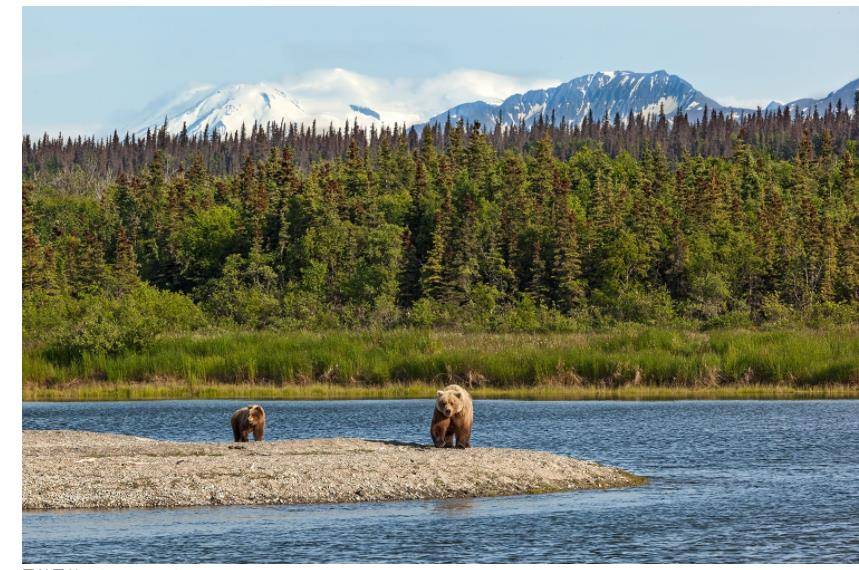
125 263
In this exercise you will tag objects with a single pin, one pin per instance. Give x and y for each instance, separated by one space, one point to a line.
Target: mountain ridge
605 93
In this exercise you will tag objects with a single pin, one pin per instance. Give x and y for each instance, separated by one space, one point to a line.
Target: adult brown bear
246 420
453 416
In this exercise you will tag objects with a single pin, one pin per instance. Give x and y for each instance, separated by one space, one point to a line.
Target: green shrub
775 313
829 313
425 313
736 318
42 316
481 311
245 293
303 310
204 242
98 324
634 304
709 296
524 316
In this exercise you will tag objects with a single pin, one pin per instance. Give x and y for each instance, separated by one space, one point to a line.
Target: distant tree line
776 133
714 223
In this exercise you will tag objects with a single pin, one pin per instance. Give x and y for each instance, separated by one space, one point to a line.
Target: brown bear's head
449 402
255 415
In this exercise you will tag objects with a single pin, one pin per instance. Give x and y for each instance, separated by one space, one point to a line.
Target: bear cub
246 420
453 416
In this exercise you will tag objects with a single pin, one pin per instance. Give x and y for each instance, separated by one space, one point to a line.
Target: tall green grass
374 361
175 390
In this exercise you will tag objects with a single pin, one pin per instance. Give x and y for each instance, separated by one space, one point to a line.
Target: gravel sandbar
77 469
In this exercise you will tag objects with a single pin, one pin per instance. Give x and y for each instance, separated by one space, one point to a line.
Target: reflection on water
454 507
730 482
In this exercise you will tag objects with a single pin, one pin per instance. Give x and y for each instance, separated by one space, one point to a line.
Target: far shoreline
178 390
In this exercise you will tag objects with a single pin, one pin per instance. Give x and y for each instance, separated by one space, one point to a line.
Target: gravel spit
77 469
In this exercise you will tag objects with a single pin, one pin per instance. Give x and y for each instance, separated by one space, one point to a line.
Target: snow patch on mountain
596 95
668 105
329 97
226 109
774 105
846 95
336 96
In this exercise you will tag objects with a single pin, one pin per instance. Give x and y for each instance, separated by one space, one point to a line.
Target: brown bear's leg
448 436
258 433
237 434
438 429
463 438
244 436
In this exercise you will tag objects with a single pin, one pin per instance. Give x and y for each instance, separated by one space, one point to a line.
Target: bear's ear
439 393
459 394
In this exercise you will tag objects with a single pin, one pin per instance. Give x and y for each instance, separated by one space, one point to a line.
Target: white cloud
731 101
326 94
407 100
66 129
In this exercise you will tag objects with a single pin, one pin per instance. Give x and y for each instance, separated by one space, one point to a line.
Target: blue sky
88 68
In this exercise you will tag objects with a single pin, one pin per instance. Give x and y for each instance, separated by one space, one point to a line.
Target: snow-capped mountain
608 92
621 92
326 96
332 97
774 106
227 108
846 95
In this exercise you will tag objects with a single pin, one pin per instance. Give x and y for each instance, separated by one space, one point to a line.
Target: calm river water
731 481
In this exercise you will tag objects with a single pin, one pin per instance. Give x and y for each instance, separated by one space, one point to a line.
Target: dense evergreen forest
705 224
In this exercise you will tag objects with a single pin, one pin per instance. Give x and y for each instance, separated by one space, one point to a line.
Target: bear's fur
453 416
246 420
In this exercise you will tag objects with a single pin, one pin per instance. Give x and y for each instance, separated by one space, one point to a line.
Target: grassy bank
259 392
634 362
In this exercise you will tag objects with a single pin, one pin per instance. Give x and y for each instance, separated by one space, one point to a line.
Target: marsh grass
632 362
260 392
